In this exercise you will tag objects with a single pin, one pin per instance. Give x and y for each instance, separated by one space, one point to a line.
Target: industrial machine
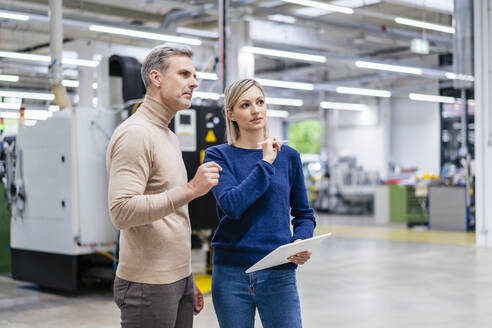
60 226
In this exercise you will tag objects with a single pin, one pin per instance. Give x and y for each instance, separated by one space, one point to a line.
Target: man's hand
205 178
300 258
197 299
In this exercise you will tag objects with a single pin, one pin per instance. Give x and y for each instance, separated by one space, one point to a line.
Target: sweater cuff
304 233
267 166
177 197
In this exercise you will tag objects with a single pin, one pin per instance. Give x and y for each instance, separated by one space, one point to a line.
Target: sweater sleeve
129 162
303 216
235 197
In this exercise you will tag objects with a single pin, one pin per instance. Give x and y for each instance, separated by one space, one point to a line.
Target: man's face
178 82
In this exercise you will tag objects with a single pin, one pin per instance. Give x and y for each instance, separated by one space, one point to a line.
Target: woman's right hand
271 146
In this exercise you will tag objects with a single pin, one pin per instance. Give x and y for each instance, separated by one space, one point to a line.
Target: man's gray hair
158 57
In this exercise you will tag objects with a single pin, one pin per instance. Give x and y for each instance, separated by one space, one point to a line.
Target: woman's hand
271 146
300 258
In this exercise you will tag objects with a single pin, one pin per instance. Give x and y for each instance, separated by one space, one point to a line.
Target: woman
260 182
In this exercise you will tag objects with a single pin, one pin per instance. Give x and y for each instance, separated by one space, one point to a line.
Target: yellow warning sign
210 136
202 155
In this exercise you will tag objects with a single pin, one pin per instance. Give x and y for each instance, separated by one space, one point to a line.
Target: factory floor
366 275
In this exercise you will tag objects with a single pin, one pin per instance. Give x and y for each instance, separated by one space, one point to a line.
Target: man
148 196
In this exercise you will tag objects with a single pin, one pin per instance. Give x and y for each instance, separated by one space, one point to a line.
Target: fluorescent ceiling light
364 92
431 98
27 95
9 78
454 76
13 106
144 35
94 85
202 33
314 12
322 5
70 83
425 25
277 113
54 108
284 101
342 106
285 54
28 114
286 84
206 95
47 59
282 18
8 15
206 76
22 56
387 67
80 62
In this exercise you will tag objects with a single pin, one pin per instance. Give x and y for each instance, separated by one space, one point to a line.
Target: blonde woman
260 186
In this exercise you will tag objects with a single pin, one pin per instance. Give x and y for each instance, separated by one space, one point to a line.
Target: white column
483 120
56 40
240 64
385 121
85 91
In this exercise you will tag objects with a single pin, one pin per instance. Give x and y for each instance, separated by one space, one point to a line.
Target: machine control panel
186 129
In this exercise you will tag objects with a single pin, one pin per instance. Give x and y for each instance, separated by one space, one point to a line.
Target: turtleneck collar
156 111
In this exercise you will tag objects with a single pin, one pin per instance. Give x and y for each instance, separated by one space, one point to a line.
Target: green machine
405 207
4 232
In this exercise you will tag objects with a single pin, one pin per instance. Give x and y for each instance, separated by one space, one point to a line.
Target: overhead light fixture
70 83
425 25
27 95
431 98
202 33
206 76
13 106
285 54
364 92
454 76
80 62
8 15
284 101
343 106
206 95
54 108
47 59
144 35
387 67
282 18
322 5
9 78
286 84
29 114
277 113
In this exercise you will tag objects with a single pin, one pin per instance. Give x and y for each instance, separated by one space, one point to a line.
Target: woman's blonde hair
231 96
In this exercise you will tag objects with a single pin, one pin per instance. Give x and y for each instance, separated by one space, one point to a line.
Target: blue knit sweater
253 203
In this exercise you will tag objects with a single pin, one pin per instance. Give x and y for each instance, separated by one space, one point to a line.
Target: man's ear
155 78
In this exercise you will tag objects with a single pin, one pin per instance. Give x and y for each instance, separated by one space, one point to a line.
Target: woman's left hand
300 258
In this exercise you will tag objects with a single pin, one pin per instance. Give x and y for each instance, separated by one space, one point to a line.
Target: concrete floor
353 280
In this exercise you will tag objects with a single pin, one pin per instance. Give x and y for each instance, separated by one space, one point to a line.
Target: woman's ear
229 115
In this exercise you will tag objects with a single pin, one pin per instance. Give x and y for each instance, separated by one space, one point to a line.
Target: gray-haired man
148 196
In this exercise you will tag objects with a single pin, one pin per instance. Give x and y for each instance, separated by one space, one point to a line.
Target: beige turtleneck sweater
145 197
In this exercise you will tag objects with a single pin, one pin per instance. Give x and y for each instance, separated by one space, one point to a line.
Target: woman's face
249 112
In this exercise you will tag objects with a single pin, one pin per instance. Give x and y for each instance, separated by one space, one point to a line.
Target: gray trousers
152 305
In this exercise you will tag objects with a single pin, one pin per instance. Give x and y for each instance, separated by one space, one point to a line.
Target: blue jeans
236 295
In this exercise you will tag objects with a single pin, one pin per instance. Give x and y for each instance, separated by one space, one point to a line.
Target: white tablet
281 253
